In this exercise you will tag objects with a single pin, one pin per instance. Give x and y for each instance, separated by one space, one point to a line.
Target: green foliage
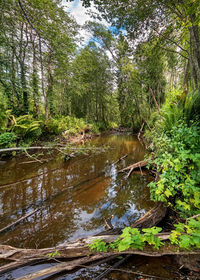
187 235
7 139
178 157
68 126
26 127
98 245
3 115
131 238
149 236
53 254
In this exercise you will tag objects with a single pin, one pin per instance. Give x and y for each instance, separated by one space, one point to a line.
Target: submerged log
18 221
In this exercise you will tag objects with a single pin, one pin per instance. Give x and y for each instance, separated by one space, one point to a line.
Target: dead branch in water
18 221
120 159
137 165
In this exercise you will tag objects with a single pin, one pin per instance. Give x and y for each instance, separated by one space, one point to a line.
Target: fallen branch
136 165
18 221
193 217
138 136
26 148
30 156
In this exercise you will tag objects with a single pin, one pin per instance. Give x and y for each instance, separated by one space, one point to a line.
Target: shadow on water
75 196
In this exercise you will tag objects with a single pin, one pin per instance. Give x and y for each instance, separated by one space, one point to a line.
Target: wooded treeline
42 70
121 75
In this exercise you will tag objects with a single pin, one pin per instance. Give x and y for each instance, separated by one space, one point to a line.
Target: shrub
7 139
26 127
178 158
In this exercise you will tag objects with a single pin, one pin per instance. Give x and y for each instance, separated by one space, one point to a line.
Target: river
74 198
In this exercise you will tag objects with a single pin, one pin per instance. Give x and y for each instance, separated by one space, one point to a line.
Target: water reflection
74 196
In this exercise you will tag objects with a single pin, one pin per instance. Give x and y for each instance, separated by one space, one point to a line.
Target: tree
164 18
92 85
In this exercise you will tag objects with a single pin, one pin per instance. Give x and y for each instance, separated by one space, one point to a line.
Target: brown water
75 196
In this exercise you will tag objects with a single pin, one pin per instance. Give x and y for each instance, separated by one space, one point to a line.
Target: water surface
75 196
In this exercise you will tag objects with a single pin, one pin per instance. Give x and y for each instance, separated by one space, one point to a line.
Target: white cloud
79 12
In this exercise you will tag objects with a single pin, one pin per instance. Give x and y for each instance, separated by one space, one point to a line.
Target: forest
139 71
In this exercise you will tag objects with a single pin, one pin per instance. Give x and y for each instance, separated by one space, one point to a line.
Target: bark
23 68
49 93
42 71
155 101
35 78
152 217
195 51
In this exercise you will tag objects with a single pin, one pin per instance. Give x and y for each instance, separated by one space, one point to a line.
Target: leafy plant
98 245
26 127
149 236
53 254
178 158
187 235
7 139
131 238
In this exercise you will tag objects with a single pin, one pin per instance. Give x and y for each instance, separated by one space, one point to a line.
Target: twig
129 173
30 156
193 217
121 158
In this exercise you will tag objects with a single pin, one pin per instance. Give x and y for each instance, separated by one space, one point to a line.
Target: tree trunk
49 93
35 78
23 70
195 52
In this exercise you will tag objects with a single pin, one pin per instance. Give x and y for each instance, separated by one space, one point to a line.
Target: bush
178 158
68 125
26 127
7 140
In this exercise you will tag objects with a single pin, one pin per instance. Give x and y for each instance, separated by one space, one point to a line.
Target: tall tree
165 18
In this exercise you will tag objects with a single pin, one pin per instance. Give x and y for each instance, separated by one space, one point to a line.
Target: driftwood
18 221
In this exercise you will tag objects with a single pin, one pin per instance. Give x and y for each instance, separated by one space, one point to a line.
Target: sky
76 9
79 12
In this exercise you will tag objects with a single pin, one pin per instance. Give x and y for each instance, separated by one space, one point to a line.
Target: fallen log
77 250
